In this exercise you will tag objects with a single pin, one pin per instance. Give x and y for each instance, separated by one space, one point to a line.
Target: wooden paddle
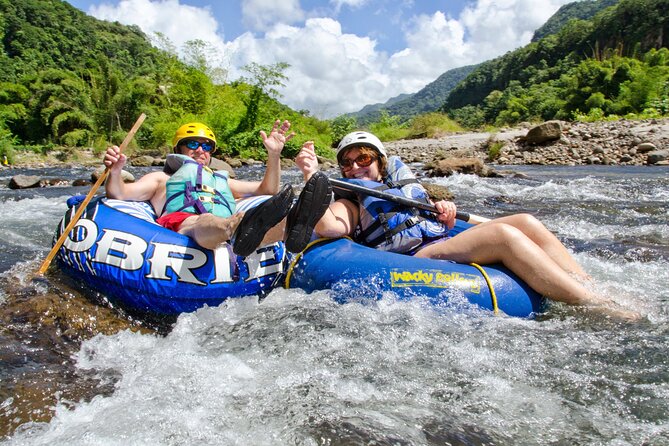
339 184
82 206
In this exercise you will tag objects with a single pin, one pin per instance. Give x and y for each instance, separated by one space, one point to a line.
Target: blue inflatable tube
352 272
149 269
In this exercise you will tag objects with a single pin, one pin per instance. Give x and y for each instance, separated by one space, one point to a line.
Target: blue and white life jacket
195 188
388 226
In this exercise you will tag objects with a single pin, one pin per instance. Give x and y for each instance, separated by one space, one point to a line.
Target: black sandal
257 221
310 207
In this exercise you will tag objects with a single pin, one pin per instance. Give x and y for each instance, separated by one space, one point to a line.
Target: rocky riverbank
620 142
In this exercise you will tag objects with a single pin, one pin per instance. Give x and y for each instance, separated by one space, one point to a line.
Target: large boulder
449 166
548 131
25 182
437 192
218 164
30 181
143 161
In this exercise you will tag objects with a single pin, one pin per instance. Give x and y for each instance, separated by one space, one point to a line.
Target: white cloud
259 15
338 4
177 22
329 71
435 45
497 26
332 72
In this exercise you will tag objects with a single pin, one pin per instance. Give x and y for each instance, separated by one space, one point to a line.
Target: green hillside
71 80
426 100
583 10
613 65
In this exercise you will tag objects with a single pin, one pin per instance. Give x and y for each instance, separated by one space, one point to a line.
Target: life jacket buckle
208 189
205 199
412 221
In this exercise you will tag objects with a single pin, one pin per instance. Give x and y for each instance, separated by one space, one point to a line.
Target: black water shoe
309 208
257 221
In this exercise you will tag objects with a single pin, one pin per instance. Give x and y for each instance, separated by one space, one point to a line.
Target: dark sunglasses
193 145
363 160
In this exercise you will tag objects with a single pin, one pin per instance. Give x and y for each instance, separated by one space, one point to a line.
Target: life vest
195 188
388 226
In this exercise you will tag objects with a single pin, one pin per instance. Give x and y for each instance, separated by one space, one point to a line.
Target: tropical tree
62 107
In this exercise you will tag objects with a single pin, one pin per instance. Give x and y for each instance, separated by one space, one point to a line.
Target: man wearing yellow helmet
195 201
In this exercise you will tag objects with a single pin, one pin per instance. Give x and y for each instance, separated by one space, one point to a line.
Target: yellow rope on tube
493 296
289 273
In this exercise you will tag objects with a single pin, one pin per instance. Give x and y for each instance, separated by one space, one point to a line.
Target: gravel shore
622 142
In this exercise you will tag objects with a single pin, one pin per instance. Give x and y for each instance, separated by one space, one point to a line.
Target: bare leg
339 220
276 234
542 237
502 243
210 231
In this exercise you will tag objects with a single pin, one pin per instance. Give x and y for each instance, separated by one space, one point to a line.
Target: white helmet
361 139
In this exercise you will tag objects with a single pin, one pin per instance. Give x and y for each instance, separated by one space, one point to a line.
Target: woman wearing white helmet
520 242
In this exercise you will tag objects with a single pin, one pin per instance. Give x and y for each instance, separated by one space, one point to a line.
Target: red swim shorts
174 220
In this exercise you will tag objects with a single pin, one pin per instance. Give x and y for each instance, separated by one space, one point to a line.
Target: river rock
548 131
143 161
437 192
657 156
126 176
219 164
646 147
24 182
234 162
30 181
449 166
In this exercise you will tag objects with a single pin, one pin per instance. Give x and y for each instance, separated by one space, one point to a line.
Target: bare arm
142 190
271 181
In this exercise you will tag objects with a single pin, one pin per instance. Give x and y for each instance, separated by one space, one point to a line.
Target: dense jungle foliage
71 80
615 65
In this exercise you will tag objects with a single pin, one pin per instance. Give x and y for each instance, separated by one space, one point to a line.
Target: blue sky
343 54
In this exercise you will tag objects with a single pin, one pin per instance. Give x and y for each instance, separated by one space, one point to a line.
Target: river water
299 369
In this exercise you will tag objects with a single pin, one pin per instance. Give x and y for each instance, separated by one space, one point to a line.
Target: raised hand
277 137
114 159
307 161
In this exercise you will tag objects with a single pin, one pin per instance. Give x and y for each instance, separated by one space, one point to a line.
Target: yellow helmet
193 129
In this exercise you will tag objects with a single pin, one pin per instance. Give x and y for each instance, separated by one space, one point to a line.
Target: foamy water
300 369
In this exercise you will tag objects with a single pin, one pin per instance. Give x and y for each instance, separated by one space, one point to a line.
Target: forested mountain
428 99
583 10
39 35
370 110
63 72
617 63
70 79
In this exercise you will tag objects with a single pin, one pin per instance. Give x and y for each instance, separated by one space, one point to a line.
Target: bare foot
229 225
616 312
